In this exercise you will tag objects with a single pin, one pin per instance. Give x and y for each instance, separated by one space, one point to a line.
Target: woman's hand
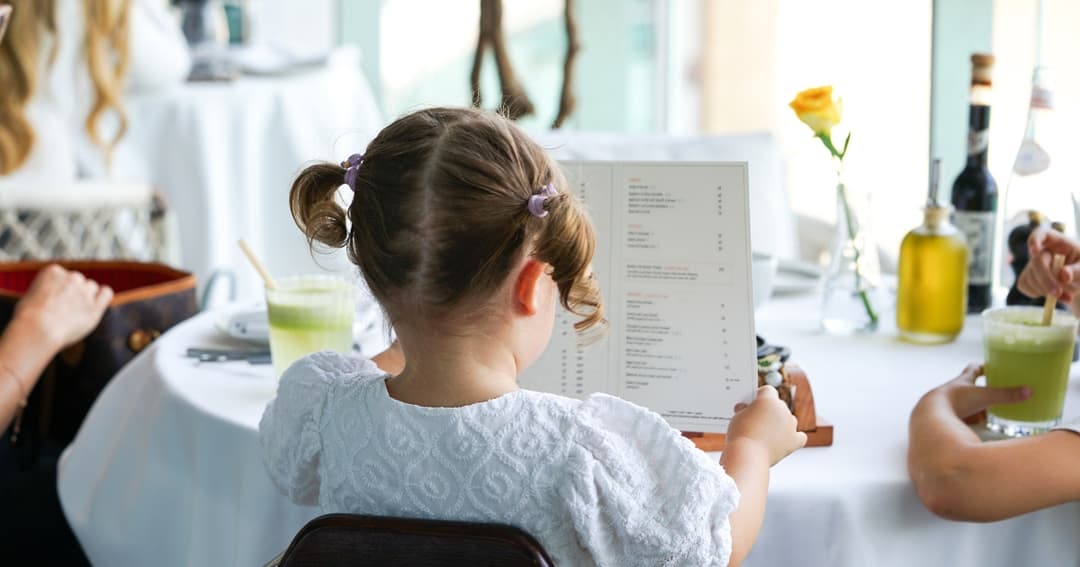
1037 279
61 307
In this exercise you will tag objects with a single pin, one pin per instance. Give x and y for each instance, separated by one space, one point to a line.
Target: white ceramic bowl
763 274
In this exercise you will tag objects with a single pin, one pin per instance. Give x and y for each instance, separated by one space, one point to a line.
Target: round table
852 504
225 154
167 469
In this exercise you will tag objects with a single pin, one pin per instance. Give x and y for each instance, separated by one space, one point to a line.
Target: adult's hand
1038 279
61 307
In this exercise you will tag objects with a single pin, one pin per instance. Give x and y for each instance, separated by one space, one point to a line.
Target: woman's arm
60 308
957 476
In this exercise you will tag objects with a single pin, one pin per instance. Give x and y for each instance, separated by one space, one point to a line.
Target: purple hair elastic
352 169
536 202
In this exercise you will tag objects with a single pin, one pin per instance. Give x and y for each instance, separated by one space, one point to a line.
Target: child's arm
957 476
760 435
747 462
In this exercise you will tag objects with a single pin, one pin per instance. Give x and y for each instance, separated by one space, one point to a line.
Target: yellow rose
817 109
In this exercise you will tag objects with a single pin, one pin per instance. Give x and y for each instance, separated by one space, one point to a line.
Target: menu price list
673 260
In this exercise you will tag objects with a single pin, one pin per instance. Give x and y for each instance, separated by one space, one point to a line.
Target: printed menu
673 261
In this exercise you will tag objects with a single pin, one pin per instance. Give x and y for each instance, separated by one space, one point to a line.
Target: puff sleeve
642 494
289 431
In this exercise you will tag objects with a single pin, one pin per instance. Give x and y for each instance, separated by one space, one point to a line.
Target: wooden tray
819 433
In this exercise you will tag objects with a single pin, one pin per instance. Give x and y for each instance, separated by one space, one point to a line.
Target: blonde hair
439 216
106 47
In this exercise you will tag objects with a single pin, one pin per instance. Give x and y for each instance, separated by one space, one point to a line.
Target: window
700 67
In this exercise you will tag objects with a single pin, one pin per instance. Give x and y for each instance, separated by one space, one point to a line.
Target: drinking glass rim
1060 318
330 283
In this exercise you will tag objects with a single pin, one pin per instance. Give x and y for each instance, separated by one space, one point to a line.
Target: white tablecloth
166 469
225 155
852 504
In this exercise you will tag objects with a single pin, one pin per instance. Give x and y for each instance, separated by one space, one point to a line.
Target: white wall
1015 47
877 55
307 25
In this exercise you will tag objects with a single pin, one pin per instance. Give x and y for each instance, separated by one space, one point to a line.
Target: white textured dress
596 482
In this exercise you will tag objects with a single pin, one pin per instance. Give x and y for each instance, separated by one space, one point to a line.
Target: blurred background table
225 154
167 470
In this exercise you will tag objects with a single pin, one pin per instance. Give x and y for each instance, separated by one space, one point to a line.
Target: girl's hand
1037 279
769 422
61 307
966 399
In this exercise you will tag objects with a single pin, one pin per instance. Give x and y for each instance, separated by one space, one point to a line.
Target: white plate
795 277
248 323
245 323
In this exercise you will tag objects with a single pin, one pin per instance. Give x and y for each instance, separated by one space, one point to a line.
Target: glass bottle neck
978 124
978 134
936 218
1039 111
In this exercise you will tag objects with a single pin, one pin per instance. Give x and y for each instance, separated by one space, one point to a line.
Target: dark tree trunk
515 102
567 101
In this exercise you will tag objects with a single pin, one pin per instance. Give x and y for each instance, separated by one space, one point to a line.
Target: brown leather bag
149 299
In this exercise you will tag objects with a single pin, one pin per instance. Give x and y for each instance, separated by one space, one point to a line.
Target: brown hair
106 49
439 216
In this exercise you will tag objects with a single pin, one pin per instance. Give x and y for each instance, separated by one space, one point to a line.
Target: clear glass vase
851 303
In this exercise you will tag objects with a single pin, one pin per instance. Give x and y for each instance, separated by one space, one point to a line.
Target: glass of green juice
1020 351
309 314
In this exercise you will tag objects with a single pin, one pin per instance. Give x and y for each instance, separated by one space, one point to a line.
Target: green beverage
1020 351
309 314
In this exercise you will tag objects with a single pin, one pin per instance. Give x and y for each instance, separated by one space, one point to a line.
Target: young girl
465 232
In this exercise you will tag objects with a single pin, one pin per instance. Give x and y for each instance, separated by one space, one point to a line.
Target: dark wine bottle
1019 258
975 193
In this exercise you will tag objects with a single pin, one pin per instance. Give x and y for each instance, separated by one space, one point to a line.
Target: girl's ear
526 288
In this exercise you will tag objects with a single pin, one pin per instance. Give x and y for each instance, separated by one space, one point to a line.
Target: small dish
246 323
763 274
795 277
249 323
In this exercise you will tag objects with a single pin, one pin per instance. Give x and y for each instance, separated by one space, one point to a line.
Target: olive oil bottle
932 293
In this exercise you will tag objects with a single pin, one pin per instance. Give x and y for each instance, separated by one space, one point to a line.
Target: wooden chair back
372 541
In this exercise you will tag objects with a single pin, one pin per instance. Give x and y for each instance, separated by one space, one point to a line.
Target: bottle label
978 227
1042 97
978 141
1031 158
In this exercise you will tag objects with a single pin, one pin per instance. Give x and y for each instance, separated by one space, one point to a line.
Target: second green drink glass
309 314
1020 351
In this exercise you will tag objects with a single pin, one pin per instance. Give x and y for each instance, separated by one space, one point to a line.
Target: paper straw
1051 300
259 267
